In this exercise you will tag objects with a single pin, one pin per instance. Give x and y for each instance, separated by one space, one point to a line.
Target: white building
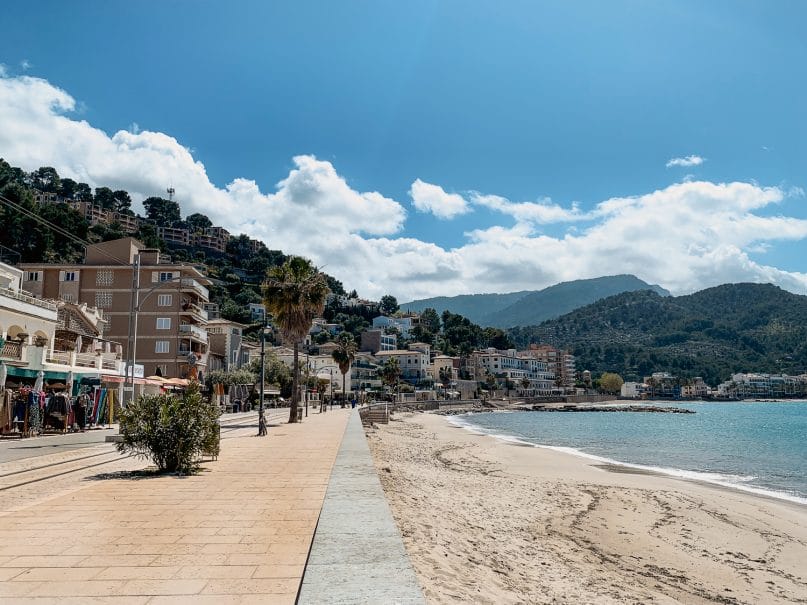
514 367
414 365
404 325
52 337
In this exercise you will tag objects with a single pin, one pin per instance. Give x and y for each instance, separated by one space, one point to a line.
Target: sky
430 148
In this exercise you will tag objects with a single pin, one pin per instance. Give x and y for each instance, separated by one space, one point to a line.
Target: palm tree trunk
295 388
343 389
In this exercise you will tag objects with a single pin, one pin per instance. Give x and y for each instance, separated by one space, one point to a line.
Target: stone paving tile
215 571
139 573
246 599
238 532
85 600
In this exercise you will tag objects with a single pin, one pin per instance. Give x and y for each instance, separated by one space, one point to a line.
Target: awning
27 373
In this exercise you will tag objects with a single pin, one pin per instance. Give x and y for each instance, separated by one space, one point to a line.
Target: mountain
532 306
712 333
472 306
563 298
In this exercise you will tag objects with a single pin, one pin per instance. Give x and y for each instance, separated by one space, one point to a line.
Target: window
162 346
103 299
69 276
164 300
32 276
67 298
162 368
163 323
104 277
166 276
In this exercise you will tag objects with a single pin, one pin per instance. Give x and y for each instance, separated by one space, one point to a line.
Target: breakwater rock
610 408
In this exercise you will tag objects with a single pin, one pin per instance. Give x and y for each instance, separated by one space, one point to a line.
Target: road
12 449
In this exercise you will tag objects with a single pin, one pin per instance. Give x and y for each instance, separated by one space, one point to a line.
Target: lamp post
261 415
135 303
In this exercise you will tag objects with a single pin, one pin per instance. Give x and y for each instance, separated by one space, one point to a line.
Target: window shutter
61 275
155 277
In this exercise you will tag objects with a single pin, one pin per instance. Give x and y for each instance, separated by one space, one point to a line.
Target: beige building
51 337
414 365
560 363
171 320
225 339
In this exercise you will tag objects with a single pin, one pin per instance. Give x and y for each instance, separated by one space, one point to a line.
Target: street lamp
261 414
134 310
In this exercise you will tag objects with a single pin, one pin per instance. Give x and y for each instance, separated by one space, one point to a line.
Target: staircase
376 414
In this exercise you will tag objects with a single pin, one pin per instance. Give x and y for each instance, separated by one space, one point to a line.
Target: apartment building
404 324
414 365
225 340
174 235
514 367
376 340
94 215
52 337
212 238
560 364
170 338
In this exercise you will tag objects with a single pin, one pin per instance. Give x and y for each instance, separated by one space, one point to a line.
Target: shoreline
618 466
487 522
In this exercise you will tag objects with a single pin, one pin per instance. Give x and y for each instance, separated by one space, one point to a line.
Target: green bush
171 430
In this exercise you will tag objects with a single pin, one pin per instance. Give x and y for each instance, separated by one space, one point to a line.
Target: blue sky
562 105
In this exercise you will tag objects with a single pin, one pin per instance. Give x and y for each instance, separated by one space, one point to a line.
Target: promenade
238 532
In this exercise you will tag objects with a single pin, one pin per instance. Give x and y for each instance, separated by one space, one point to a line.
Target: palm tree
446 374
343 355
390 371
295 294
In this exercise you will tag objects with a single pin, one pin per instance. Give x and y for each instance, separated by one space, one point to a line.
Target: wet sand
486 521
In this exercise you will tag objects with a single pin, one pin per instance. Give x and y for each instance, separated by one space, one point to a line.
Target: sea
758 447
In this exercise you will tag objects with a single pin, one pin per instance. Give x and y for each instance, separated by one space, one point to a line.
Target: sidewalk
239 532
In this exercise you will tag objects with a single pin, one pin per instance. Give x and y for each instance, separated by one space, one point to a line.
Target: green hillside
530 307
473 306
562 298
712 333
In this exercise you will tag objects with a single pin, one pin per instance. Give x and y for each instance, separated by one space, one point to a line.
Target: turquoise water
758 447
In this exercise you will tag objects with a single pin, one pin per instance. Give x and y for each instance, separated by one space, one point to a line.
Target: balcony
195 311
11 350
194 332
17 301
189 283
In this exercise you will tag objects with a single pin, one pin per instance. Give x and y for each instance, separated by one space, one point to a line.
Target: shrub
171 430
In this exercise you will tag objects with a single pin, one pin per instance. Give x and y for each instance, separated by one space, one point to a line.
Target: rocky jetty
610 408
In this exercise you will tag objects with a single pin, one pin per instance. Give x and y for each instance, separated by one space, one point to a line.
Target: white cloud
690 160
25 65
686 236
3 70
532 212
433 198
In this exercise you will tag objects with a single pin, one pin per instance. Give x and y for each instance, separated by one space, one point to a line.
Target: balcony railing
11 350
38 302
86 360
188 282
194 331
195 310
60 357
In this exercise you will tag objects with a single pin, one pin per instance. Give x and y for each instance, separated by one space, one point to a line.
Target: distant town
74 318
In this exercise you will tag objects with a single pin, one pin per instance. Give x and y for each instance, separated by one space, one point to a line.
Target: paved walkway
239 532
358 555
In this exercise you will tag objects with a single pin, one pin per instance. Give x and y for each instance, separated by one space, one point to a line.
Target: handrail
11 350
38 302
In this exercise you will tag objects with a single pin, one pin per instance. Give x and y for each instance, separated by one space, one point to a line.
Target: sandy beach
486 521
